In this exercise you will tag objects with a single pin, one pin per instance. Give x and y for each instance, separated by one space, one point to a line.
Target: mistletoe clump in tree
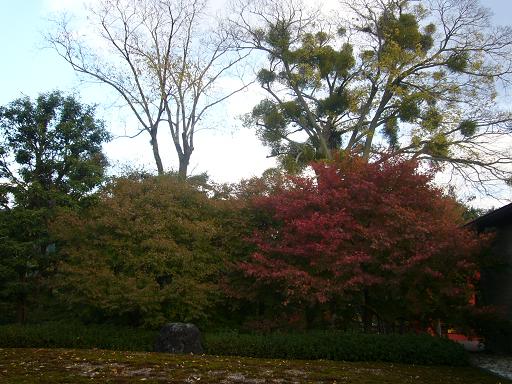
382 78
359 240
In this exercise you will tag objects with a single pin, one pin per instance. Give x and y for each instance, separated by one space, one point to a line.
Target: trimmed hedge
330 345
336 345
76 335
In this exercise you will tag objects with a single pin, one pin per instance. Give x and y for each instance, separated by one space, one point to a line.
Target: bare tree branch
162 58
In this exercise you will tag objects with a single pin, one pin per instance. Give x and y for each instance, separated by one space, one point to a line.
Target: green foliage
431 120
471 213
334 104
291 109
265 76
427 42
391 131
296 156
438 146
24 262
67 334
321 37
278 35
331 345
274 119
330 60
403 30
147 253
51 157
458 61
270 114
430 29
320 59
55 143
335 345
409 110
468 127
401 59
308 63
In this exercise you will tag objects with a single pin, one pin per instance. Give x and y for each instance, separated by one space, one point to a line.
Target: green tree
149 252
385 78
50 156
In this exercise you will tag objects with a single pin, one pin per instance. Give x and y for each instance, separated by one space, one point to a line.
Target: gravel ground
499 365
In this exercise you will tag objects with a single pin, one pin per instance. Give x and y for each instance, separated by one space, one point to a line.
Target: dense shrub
75 335
333 345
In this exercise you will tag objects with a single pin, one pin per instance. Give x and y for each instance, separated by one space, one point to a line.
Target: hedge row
331 345
75 335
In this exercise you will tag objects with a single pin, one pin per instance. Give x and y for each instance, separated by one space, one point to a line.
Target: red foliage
377 236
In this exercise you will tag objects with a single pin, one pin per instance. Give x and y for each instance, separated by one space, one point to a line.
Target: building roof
497 218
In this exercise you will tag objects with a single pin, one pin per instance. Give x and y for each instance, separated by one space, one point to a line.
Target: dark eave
497 218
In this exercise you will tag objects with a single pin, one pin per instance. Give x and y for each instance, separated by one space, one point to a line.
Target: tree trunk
438 328
21 305
183 166
21 311
311 315
366 315
374 123
156 152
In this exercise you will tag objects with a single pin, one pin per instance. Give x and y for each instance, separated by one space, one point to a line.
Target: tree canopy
380 79
50 157
376 98
149 252
50 151
359 240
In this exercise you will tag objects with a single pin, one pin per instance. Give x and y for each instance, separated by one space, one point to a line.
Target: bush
330 345
75 335
336 345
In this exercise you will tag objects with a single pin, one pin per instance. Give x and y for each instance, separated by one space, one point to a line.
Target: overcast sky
27 68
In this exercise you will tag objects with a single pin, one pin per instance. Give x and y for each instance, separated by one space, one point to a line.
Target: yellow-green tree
148 253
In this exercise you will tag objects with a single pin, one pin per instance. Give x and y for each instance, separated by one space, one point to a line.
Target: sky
228 152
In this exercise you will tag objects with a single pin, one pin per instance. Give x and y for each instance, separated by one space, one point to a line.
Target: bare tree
164 59
383 78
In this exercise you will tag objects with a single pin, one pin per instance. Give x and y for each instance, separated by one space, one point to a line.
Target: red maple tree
373 242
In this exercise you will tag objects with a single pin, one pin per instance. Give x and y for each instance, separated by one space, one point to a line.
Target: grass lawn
101 366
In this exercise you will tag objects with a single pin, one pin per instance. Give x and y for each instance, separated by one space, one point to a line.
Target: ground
100 366
499 365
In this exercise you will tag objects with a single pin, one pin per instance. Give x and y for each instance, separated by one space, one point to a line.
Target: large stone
179 338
